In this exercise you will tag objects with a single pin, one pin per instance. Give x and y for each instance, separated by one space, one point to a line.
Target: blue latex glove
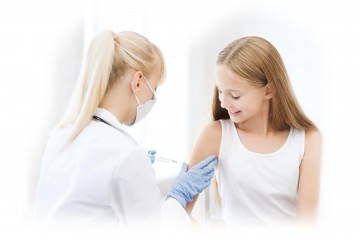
152 155
191 183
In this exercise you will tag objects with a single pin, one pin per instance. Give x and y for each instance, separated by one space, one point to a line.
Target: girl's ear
269 91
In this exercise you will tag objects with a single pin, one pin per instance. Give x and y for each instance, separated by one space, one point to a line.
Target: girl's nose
225 103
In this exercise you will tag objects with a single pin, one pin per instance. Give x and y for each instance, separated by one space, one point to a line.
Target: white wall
41 48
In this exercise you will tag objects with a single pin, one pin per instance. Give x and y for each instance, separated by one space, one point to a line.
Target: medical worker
93 171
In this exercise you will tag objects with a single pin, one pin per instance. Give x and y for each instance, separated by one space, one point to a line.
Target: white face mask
143 109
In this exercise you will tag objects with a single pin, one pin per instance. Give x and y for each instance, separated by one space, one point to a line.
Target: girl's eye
220 92
235 97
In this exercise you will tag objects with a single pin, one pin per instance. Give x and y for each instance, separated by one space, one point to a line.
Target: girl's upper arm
207 144
309 180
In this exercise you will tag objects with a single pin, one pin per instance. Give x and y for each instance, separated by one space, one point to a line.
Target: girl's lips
234 113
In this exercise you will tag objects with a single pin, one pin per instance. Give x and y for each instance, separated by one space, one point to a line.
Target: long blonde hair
257 61
108 57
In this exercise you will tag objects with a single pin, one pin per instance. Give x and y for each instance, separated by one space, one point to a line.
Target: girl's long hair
108 57
257 61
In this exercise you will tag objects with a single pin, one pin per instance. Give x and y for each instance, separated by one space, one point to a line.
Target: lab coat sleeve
135 196
174 215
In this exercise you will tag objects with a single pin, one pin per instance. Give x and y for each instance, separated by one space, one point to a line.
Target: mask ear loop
138 84
137 100
149 86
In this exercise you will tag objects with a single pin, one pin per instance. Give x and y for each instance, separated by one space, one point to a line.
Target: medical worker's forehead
226 80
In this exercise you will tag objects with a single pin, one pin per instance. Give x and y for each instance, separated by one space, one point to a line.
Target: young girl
268 150
93 171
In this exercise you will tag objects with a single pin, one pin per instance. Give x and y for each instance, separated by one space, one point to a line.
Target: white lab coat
103 176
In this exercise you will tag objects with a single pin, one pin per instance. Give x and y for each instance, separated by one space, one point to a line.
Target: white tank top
258 188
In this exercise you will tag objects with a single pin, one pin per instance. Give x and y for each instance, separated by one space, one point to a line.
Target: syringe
163 159
155 157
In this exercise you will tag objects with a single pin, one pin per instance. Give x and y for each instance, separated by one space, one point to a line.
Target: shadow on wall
300 51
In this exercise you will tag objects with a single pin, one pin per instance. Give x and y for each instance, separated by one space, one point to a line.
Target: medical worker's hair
257 61
109 56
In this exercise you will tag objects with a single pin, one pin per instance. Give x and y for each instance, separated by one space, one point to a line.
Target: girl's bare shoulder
208 143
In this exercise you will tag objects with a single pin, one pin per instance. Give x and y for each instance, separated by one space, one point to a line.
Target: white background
41 47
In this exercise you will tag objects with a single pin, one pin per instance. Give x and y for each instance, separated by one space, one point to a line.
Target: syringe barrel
163 159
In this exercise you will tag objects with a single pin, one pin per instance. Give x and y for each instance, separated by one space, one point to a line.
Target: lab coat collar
109 117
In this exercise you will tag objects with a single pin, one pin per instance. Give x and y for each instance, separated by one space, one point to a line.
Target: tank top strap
298 140
226 139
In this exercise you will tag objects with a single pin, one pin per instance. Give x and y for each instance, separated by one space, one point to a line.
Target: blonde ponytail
108 57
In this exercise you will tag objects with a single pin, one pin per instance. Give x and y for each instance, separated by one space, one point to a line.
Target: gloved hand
191 183
152 155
